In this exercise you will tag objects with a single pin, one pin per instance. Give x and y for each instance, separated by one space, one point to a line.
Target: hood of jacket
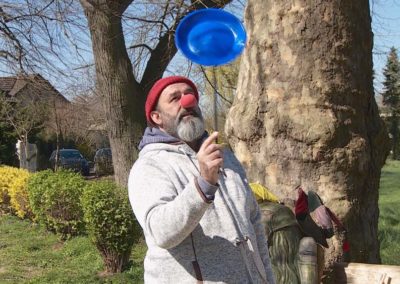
154 135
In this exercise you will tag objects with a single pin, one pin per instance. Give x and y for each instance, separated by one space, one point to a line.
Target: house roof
11 86
7 83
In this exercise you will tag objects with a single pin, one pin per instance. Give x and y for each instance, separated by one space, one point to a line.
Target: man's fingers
215 155
213 148
210 140
210 158
217 163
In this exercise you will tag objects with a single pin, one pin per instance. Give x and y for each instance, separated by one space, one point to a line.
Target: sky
386 28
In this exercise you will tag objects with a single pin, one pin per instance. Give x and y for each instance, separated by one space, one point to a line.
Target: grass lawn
29 254
389 220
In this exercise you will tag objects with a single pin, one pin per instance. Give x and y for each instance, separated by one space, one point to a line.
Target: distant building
29 88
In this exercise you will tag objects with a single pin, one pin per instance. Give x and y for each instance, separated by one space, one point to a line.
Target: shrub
19 195
13 194
37 186
6 176
110 223
54 199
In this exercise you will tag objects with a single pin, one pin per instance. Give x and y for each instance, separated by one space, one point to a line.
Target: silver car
70 159
103 164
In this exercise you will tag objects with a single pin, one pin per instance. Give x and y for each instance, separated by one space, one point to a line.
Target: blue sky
386 28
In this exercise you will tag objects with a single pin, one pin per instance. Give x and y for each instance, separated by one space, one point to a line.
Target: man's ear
156 117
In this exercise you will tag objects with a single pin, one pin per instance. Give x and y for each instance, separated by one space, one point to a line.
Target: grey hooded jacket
189 237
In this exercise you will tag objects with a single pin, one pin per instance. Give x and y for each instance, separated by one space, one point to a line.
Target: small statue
293 255
297 233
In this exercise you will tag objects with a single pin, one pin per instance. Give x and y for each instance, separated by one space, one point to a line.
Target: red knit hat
159 86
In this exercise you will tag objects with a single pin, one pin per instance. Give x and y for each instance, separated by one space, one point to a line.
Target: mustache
185 112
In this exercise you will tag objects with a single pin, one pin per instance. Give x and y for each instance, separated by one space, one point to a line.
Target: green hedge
110 223
54 199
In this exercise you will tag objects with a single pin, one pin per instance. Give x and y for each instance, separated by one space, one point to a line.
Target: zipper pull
239 241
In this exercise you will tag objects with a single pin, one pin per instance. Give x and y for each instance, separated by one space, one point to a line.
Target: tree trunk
396 137
305 111
123 99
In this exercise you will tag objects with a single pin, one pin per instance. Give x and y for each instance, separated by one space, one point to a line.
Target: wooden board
362 273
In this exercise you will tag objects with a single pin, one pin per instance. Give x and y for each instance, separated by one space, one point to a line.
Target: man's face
170 116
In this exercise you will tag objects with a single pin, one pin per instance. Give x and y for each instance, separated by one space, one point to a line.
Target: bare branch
146 21
141 45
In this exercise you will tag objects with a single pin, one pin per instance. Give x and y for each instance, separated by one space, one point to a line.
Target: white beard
191 129
188 130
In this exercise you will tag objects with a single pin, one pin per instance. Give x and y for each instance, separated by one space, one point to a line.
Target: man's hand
210 159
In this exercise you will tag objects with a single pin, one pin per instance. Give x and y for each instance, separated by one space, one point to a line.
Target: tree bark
123 100
305 111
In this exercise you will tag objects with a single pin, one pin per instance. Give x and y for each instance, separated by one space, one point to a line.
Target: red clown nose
188 101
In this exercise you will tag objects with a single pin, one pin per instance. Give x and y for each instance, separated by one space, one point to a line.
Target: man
199 217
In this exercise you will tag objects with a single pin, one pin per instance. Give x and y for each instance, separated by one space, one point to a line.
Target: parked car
103 162
70 159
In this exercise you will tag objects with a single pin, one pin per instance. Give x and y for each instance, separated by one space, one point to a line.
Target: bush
110 223
7 174
13 193
37 186
54 199
19 195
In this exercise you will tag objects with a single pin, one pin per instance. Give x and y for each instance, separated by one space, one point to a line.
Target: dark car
70 159
103 162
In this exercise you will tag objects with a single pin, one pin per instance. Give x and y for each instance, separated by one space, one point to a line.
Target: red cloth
346 246
159 86
301 205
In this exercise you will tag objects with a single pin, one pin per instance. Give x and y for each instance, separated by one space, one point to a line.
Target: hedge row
68 205
13 192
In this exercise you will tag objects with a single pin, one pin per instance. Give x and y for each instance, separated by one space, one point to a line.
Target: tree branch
141 45
147 21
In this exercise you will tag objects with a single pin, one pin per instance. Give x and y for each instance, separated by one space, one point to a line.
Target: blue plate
210 37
